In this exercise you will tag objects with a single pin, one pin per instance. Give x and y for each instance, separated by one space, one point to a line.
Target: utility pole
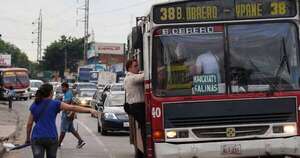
86 29
39 31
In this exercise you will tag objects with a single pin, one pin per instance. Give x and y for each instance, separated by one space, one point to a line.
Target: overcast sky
111 20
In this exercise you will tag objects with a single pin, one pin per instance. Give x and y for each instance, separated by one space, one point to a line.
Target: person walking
43 136
67 118
134 89
11 94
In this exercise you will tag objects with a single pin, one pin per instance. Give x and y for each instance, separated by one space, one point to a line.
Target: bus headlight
171 134
177 134
291 129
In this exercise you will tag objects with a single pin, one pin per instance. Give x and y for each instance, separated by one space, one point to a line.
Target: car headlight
110 116
83 102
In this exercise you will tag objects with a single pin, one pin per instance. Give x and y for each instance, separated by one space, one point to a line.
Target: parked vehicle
34 86
83 97
112 115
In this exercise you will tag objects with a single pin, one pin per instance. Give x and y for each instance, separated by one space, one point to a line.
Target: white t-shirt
207 63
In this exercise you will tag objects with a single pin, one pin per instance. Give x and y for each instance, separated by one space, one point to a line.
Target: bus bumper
247 148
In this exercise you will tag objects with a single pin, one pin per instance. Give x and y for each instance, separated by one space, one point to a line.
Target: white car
84 97
34 86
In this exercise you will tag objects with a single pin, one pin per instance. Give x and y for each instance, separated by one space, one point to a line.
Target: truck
84 74
106 77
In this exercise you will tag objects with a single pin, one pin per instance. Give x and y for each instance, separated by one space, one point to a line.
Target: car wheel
103 131
99 128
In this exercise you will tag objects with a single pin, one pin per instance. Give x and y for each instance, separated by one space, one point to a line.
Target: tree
54 58
18 58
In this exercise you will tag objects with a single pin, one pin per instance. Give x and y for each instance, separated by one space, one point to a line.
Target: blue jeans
40 146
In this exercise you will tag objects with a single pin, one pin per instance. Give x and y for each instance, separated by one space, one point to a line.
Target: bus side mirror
137 38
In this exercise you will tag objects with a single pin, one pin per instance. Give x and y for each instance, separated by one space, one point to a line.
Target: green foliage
54 57
18 58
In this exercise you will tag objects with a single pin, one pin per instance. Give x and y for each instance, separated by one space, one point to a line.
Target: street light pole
66 60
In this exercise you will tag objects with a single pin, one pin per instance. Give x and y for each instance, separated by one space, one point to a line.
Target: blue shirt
68 96
45 126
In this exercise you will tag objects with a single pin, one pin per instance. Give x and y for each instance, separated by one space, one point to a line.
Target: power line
122 8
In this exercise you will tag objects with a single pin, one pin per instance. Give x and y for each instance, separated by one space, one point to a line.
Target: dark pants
40 146
10 99
137 110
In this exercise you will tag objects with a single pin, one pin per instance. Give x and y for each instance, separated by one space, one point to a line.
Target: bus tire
138 153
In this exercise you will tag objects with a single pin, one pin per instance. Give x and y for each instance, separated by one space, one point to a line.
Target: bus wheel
138 153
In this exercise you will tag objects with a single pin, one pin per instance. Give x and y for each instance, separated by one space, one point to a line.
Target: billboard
110 48
5 60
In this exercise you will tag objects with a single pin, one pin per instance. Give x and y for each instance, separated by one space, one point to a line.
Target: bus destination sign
215 10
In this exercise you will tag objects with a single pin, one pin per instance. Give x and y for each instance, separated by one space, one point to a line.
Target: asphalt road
114 145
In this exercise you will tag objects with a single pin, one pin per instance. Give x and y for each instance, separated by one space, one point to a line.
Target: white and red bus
222 78
18 79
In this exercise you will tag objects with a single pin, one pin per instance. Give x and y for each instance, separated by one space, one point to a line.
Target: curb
11 136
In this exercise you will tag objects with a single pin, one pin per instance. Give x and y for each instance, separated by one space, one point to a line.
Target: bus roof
13 69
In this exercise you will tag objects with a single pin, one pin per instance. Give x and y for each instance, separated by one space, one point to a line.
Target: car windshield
192 61
86 93
86 86
117 88
58 89
115 100
36 84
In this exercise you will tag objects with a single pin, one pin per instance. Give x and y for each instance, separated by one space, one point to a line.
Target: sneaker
80 144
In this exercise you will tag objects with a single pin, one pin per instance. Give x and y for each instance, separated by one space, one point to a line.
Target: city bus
221 78
18 79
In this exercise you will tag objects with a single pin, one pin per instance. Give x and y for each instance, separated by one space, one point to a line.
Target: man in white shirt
134 89
207 63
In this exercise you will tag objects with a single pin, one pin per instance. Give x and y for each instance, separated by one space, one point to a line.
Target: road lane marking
97 139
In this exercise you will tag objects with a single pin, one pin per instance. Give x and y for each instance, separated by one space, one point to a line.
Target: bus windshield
264 57
15 79
192 61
